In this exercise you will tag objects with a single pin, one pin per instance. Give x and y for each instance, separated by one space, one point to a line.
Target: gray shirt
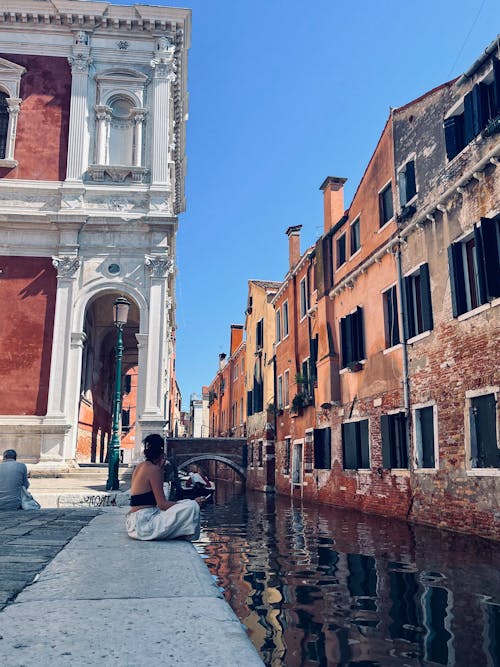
13 475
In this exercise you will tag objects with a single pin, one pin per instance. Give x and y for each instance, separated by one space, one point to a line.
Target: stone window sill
8 163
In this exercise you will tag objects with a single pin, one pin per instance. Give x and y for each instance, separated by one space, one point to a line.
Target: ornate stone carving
118 203
163 61
66 265
160 266
169 303
122 45
79 63
81 38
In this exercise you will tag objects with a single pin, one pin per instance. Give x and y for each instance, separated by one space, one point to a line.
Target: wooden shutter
484 412
490 259
349 446
451 136
385 428
345 340
481 278
496 85
364 448
425 297
411 189
426 416
358 333
409 320
322 448
457 282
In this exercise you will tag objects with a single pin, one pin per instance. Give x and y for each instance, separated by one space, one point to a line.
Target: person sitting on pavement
13 476
152 516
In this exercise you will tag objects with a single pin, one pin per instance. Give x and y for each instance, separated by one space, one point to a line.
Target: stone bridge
231 451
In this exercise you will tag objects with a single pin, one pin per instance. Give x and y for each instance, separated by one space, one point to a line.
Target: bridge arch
214 457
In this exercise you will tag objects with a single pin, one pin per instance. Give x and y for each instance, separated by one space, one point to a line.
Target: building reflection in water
325 586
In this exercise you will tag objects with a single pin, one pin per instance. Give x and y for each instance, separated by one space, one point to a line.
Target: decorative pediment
10 77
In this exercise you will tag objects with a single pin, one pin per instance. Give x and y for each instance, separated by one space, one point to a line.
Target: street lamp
120 314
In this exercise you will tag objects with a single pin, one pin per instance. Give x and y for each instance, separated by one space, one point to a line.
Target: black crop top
147 498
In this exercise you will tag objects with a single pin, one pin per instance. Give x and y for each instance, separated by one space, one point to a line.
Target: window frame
10 83
406 198
358 431
285 319
419 314
341 250
394 423
278 325
352 338
355 238
303 298
383 220
470 396
286 389
418 456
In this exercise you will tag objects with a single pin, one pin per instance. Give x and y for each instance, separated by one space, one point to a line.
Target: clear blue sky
283 94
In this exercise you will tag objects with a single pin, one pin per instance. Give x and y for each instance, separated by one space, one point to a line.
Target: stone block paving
30 540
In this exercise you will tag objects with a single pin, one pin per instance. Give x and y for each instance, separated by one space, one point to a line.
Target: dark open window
127 384
385 205
355 236
304 301
259 334
322 448
406 183
391 322
418 302
424 427
355 448
485 452
474 265
341 250
352 338
4 124
394 440
286 457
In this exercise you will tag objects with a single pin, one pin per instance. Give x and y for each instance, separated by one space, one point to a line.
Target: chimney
293 234
222 360
333 200
236 337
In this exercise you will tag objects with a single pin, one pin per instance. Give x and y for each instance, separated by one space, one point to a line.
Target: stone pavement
30 540
106 599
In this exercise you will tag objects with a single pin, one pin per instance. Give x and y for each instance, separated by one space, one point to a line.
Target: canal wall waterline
107 598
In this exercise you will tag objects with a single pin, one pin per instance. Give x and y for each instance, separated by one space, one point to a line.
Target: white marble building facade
110 225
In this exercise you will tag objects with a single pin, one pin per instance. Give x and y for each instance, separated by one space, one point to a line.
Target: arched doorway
98 381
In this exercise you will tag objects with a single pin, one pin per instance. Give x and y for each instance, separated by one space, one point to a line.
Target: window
121 128
4 124
391 322
424 437
484 449
355 448
286 456
341 250
418 302
259 335
126 420
280 392
385 205
323 267
285 319
297 463
286 388
474 265
355 237
10 104
278 325
322 448
303 298
394 440
352 338
406 183
127 384
260 453
306 379
480 106
308 451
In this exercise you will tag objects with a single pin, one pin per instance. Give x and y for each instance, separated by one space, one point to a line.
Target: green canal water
326 586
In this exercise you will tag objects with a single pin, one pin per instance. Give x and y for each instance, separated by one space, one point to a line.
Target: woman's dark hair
153 447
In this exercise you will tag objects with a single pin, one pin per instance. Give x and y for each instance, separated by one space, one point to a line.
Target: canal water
326 586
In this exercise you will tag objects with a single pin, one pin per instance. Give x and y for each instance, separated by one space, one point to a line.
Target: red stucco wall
27 298
42 129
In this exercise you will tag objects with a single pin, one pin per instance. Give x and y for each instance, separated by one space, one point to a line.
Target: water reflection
323 586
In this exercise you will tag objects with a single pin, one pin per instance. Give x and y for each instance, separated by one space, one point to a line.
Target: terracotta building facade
92 138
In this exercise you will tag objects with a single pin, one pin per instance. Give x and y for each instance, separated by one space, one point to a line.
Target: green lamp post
120 314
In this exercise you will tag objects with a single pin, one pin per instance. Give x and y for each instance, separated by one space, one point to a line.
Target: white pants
151 523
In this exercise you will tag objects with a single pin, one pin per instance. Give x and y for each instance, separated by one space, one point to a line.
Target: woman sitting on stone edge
152 516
